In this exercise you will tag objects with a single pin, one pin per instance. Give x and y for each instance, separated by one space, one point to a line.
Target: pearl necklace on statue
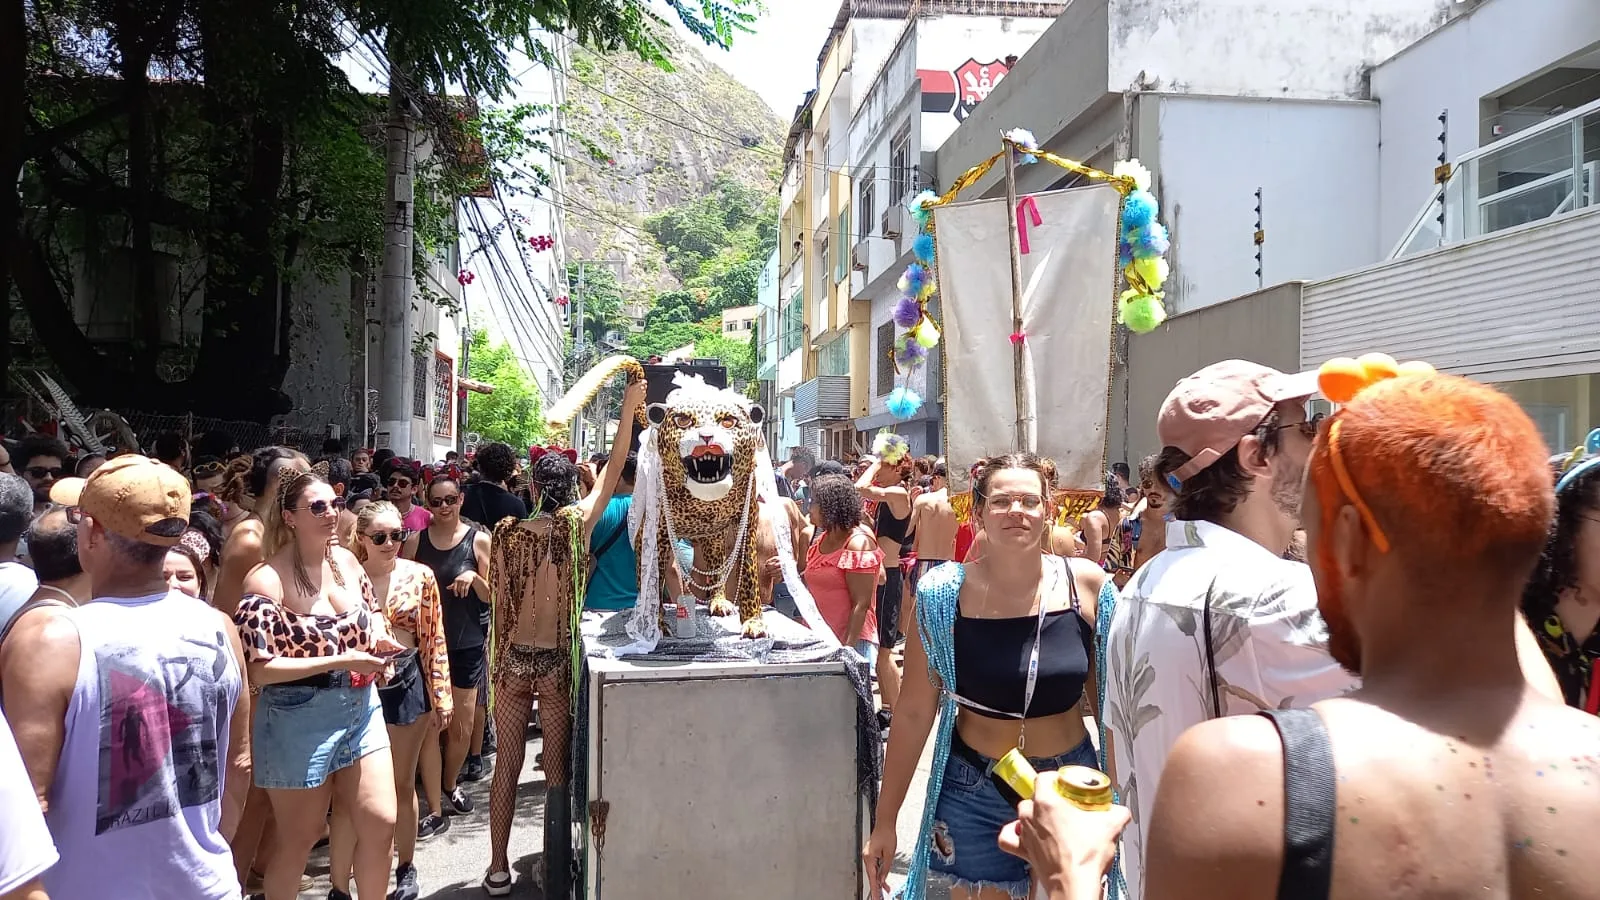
719 577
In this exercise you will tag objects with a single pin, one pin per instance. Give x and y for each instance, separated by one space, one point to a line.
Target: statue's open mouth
708 464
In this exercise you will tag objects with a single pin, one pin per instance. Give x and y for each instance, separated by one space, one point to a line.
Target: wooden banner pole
1025 431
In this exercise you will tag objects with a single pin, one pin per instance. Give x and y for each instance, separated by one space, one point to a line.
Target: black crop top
887 526
992 661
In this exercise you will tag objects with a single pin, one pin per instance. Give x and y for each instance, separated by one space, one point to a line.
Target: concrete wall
1263 327
1310 49
1314 162
325 361
1496 47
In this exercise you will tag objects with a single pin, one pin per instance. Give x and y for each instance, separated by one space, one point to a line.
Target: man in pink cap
1219 623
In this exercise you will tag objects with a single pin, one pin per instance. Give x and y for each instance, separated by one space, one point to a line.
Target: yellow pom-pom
1416 368
1153 271
928 287
1378 366
927 334
1341 378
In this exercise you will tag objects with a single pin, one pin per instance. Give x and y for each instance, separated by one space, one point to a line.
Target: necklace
719 576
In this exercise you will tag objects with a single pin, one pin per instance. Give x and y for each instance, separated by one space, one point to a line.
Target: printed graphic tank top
136 811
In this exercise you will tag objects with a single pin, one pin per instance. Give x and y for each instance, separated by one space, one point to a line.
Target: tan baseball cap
1209 412
131 496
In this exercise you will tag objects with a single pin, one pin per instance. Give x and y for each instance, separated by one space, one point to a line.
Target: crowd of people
1348 656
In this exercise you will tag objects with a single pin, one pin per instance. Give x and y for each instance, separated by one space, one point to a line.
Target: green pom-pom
1142 313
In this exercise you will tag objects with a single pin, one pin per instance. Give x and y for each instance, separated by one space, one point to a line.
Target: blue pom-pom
1124 252
1151 242
909 354
1139 210
923 248
904 402
907 312
916 278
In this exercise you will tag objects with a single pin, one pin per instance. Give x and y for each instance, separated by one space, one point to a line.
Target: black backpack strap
610 540
1309 804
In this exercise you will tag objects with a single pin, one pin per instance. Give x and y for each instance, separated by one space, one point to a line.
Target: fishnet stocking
513 708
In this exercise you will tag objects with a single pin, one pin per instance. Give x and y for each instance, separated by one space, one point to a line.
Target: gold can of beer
1087 789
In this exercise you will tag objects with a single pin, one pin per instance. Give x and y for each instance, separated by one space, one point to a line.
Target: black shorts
889 608
468 669
406 698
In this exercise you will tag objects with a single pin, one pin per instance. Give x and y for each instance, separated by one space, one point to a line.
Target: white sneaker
497 884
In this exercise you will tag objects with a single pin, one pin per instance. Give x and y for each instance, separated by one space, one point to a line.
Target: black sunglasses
400 482
379 538
1307 428
439 502
46 471
320 508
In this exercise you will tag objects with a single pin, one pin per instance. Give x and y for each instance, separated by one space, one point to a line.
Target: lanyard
1033 667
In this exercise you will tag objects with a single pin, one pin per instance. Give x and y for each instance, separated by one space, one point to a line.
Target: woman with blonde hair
316 647
417 701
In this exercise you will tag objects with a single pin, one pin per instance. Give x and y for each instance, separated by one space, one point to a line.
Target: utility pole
577 352
396 285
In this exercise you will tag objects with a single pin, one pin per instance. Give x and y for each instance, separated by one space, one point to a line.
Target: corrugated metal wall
1511 306
1263 327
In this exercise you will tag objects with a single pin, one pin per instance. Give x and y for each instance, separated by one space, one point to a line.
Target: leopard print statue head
707 439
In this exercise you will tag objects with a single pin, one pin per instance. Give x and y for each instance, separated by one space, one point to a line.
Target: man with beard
1219 624
1452 772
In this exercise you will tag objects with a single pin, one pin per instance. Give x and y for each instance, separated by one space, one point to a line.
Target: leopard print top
413 606
270 630
515 555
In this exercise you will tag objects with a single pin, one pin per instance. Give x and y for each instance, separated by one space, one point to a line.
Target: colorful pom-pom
1124 251
916 277
903 285
1142 313
908 354
890 447
927 334
1139 210
919 208
904 403
1340 378
1151 241
1024 141
907 312
1152 271
922 247
1133 169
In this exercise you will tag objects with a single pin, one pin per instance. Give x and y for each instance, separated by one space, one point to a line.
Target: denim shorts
303 734
405 698
970 813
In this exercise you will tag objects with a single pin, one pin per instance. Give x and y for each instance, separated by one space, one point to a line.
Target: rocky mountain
669 135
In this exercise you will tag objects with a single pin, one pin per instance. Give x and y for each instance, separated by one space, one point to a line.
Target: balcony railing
1537 174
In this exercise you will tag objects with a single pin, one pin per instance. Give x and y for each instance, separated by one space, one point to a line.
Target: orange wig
1448 471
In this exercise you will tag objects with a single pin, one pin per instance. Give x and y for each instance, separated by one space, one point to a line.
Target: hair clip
1342 378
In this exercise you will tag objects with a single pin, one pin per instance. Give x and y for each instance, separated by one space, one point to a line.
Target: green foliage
696 234
513 413
602 298
659 340
736 355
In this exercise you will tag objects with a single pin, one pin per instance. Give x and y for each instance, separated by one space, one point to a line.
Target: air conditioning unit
858 257
893 222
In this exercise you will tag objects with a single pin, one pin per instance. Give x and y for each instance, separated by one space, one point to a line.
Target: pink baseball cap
1209 412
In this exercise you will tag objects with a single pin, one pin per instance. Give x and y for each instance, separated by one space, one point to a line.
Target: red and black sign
959 92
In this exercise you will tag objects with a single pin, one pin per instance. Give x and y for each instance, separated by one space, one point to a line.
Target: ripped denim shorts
971 812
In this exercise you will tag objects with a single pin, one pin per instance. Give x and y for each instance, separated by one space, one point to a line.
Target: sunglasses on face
1307 428
379 538
209 469
320 508
401 483
45 471
440 502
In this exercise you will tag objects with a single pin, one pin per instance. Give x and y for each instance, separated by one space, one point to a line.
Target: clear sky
779 61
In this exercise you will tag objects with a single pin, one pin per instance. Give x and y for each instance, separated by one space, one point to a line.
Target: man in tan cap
1219 623
130 711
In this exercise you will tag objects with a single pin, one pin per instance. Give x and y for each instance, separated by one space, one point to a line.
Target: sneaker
473 771
885 718
405 883
431 825
336 894
458 801
497 884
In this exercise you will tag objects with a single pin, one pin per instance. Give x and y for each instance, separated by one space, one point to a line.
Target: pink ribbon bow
1018 338
1026 204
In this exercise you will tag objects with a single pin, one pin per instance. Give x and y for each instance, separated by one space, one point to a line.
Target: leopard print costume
707 440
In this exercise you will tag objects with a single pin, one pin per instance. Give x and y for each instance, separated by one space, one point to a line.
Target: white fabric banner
1067 313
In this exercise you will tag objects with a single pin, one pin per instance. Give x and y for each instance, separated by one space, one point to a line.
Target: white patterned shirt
1269 643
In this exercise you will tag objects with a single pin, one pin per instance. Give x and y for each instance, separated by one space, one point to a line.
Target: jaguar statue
703 490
